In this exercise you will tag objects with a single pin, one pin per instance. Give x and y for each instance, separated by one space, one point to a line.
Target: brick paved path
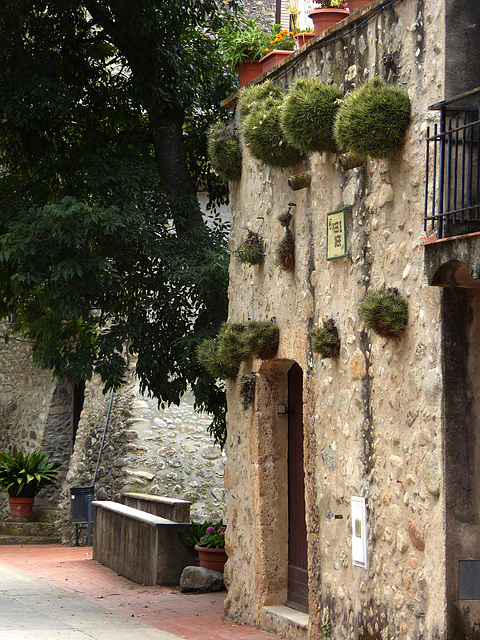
194 617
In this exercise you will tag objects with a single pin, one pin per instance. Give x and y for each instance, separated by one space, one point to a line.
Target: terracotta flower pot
325 18
304 37
356 5
213 559
248 71
21 508
272 58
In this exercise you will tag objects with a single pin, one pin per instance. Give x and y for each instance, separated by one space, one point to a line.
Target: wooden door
297 589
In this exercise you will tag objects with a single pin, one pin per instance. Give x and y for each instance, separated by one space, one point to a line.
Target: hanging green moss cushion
373 120
386 312
263 135
325 339
209 358
262 339
308 115
252 95
224 152
252 250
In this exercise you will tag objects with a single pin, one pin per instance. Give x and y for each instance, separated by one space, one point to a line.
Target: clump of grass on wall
386 312
325 339
285 253
224 152
264 138
262 339
232 344
209 358
373 120
308 115
252 95
252 250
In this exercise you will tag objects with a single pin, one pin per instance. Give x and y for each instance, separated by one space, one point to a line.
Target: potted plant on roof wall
242 44
25 475
281 45
327 13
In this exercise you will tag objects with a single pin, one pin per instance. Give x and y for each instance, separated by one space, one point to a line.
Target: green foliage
373 120
386 312
224 152
197 531
308 115
232 346
104 114
263 135
247 390
261 339
24 475
325 339
242 40
326 627
254 94
280 40
252 250
210 359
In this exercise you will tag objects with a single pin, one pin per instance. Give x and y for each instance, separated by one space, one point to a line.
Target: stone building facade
391 424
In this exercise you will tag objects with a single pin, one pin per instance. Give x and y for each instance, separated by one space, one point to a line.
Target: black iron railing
452 190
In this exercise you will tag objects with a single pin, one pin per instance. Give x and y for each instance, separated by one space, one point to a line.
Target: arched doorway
297 587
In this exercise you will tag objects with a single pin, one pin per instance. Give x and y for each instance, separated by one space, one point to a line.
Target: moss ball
224 152
263 135
373 120
308 115
386 312
256 93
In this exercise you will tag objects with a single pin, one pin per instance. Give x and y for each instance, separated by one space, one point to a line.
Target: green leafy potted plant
327 13
25 475
211 548
281 45
242 44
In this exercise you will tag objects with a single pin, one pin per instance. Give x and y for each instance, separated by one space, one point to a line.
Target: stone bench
140 546
170 508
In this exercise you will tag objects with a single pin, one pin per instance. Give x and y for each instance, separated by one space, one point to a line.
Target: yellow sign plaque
336 234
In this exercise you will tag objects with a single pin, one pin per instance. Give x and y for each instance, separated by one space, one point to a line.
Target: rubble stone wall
372 416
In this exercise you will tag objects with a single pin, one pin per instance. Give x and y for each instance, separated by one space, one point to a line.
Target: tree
104 108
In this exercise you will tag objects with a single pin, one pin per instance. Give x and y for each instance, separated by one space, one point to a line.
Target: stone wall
372 417
165 452
147 450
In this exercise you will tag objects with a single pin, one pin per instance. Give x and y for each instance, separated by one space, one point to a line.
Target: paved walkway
56 592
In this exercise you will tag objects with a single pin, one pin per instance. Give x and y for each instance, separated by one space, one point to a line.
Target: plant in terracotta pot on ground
214 537
386 312
308 115
25 475
373 120
224 152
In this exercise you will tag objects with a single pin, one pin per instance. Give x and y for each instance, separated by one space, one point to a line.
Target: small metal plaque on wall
336 234
469 580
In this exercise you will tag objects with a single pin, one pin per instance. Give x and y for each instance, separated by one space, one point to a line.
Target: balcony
452 202
452 193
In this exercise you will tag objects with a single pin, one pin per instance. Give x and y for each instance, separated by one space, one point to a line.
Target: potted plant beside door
25 475
211 548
